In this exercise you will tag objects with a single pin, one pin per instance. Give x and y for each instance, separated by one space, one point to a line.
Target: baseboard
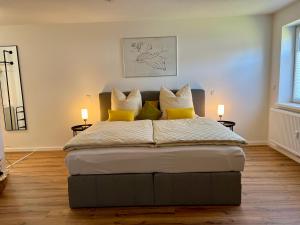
33 149
258 143
285 152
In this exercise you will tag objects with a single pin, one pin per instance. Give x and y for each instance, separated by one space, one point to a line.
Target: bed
154 175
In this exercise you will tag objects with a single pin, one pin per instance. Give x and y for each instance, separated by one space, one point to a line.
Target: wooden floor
37 194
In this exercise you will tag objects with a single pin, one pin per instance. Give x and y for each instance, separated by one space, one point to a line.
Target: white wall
60 64
280 19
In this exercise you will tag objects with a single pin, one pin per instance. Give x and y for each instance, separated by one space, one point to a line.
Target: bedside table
3 181
79 128
229 124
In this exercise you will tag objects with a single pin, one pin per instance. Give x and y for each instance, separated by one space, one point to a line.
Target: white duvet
118 133
155 133
199 130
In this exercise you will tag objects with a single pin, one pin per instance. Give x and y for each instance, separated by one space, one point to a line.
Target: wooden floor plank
37 194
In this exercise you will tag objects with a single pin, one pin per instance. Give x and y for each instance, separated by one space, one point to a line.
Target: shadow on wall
129 84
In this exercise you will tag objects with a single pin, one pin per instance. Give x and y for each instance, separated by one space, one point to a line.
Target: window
296 90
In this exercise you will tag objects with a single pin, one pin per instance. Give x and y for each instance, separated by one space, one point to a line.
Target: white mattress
180 159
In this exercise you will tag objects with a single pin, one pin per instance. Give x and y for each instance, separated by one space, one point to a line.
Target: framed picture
150 56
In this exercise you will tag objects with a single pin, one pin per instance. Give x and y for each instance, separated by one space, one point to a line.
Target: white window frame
297 46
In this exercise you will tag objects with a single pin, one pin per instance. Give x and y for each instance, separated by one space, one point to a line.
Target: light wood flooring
37 194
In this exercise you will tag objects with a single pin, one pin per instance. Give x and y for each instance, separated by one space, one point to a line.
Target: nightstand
229 124
79 128
3 181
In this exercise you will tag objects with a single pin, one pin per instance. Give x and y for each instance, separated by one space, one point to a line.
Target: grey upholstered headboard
198 99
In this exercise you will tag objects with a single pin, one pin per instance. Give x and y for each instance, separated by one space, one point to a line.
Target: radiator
284 130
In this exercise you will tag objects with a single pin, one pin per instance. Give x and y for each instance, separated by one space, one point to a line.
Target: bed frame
155 189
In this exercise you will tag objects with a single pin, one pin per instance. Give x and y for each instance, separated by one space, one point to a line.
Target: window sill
294 107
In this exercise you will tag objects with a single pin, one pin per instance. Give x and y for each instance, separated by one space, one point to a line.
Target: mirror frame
21 86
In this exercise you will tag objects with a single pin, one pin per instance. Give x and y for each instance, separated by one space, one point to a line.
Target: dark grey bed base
157 189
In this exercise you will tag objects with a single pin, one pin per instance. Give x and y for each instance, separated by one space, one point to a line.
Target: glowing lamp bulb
221 110
84 114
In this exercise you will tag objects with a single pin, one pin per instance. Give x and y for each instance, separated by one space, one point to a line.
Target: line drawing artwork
147 57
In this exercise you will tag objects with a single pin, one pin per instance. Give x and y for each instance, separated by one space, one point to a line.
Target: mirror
11 89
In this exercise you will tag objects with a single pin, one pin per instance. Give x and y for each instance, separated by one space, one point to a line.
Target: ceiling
84 11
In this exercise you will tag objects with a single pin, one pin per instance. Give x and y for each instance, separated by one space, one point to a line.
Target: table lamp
221 111
84 115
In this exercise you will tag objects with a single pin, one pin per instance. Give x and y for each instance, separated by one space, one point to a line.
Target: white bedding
180 159
118 133
197 131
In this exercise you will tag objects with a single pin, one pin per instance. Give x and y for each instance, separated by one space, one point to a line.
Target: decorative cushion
149 112
133 102
120 115
153 103
180 113
182 99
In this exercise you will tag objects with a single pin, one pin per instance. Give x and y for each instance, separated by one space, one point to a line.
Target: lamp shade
84 114
221 110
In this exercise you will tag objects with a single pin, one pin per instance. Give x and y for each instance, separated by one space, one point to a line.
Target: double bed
159 164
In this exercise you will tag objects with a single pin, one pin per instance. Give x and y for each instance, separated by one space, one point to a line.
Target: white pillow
182 99
133 101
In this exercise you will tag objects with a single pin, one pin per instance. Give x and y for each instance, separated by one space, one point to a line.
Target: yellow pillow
120 115
180 113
